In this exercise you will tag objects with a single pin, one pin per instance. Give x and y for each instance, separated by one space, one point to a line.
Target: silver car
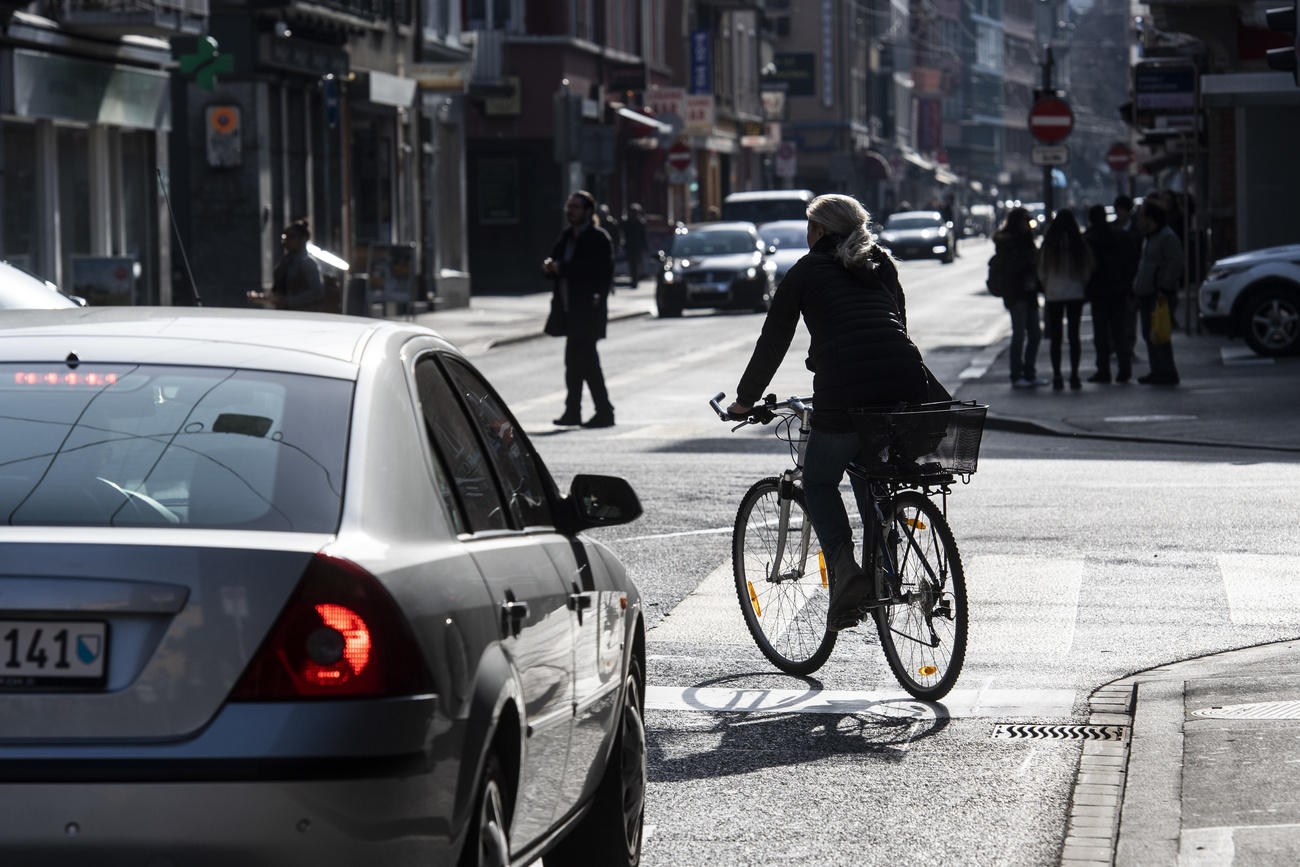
21 291
296 589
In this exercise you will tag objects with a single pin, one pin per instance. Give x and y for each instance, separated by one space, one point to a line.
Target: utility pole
1047 170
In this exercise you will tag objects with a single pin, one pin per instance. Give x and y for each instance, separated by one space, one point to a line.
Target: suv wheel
1270 320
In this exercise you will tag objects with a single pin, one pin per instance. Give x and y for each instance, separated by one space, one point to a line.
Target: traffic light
1283 19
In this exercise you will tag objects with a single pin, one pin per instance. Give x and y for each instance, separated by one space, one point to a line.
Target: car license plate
52 653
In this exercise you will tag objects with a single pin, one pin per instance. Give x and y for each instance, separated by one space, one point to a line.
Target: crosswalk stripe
1027 604
1262 589
958 704
710 614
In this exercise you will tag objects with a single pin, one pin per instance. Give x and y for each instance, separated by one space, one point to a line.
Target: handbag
1162 325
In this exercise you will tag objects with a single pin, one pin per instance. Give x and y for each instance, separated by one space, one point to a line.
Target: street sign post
1049 155
679 163
1119 157
1051 120
786 163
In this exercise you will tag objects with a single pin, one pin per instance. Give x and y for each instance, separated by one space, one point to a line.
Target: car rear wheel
488 842
610 833
1270 320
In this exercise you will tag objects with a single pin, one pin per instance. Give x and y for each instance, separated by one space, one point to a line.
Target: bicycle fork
785 496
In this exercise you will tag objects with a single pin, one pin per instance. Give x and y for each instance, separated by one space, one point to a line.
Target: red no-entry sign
1119 157
1050 120
679 157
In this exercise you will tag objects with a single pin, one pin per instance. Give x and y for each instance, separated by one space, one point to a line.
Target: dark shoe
1123 378
1058 382
569 419
1158 379
1075 383
1100 377
600 419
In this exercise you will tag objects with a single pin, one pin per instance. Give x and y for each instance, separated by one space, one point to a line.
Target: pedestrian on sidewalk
1159 276
847 291
1126 223
634 240
582 267
1013 278
1108 294
1065 265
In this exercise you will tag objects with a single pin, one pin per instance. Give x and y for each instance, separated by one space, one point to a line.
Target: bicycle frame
789 479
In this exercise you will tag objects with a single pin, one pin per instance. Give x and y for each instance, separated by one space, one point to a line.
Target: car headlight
669 276
1222 272
751 273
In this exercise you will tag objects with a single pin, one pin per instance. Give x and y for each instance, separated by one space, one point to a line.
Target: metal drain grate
1019 731
1254 710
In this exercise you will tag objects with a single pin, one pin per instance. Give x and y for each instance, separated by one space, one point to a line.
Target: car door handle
513 614
579 601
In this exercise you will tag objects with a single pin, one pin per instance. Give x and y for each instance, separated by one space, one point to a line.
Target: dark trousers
1159 356
825 460
1110 333
1072 311
1026 333
582 364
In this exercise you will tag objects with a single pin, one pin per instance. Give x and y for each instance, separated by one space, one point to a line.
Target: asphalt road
1085 561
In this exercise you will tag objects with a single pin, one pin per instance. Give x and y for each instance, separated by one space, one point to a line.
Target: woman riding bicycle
847 290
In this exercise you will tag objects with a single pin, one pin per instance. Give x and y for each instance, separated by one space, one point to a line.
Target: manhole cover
1019 731
1254 710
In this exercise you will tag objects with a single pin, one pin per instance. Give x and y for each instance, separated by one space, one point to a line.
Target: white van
766 206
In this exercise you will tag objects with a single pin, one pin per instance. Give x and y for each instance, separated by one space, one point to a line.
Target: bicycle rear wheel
785 606
923 633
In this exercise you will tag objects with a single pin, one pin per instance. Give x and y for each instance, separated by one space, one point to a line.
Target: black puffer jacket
860 354
1019 259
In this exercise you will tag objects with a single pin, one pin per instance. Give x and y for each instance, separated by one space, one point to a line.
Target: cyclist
846 287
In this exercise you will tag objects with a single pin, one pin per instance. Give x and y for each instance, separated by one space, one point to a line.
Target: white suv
1256 295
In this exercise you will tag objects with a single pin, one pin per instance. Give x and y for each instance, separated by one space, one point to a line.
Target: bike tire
787 619
930 572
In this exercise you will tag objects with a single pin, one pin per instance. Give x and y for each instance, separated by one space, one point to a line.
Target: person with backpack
1107 293
1012 277
1065 266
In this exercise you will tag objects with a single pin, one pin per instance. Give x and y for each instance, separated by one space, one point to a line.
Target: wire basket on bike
922 440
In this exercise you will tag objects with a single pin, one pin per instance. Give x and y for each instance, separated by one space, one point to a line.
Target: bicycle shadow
768 727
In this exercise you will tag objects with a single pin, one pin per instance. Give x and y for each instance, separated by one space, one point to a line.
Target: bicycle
782 580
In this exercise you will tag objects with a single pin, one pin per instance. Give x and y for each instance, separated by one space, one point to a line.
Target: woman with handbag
1159 276
1065 266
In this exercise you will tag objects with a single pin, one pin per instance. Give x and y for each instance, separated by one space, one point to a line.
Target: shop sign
701 62
302 55
439 76
70 88
1164 95
699 114
667 100
794 72
392 90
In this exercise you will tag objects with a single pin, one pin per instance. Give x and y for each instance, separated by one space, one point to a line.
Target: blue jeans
1026 332
827 457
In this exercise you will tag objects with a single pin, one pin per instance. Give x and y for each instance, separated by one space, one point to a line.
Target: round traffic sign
679 157
1119 157
1050 120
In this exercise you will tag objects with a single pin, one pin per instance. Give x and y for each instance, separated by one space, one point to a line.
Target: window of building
73 145
19 199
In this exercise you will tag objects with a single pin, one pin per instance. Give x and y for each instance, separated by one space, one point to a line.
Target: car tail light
340 636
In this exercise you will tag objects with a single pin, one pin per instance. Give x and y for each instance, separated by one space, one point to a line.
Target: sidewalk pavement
496 320
1200 772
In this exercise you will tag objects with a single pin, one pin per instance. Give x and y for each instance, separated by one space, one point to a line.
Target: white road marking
710 614
1022 604
1262 589
958 704
709 532
1146 419
1206 847
1242 355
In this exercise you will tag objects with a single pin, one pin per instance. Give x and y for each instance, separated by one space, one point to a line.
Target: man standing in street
634 241
582 266
1130 248
1159 275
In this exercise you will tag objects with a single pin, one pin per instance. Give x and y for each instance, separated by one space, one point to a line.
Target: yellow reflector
926 670
915 523
753 597
821 564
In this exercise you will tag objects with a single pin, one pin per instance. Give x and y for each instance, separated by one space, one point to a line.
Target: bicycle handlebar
761 413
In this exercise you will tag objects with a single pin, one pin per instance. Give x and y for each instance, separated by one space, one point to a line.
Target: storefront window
74 195
372 180
16 241
140 231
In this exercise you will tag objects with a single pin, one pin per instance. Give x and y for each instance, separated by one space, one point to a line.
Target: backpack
997 279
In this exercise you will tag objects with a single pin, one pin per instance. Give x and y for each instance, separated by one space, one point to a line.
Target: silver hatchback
282 588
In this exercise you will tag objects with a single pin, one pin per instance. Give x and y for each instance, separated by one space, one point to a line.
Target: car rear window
911 223
765 210
164 446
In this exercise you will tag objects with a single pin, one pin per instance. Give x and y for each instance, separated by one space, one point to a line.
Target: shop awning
917 160
944 175
645 120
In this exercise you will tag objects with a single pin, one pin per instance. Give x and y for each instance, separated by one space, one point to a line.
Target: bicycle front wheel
781 579
923 632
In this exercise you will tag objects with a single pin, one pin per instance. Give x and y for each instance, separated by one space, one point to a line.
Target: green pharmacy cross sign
206 62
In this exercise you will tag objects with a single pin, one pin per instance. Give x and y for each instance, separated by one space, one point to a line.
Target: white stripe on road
1262 589
1022 604
710 614
958 704
709 532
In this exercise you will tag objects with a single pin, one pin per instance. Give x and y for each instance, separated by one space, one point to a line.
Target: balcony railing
162 18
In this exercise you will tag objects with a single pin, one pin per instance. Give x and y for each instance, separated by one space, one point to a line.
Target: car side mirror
602 501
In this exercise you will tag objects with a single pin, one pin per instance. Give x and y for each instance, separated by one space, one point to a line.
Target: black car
715 265
918 235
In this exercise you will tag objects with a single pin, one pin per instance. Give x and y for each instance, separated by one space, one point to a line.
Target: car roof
754 195
21 291
784 224
933 215
321 343
737 225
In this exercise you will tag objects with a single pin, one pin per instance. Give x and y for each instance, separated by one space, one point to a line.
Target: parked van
766 206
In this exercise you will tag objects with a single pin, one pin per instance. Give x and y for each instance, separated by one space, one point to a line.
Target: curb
525 336
1012 424
1092 834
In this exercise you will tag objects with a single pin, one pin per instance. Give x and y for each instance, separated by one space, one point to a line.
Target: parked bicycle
782 580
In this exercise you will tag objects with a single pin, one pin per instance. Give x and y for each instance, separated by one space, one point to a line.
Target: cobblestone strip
1093 827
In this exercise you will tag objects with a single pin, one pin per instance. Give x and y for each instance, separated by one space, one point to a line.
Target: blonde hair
845 218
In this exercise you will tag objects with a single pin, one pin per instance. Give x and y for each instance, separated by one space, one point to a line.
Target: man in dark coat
634 240
1108 293
582 266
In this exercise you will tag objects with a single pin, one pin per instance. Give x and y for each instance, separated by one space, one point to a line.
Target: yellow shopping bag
1162 325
